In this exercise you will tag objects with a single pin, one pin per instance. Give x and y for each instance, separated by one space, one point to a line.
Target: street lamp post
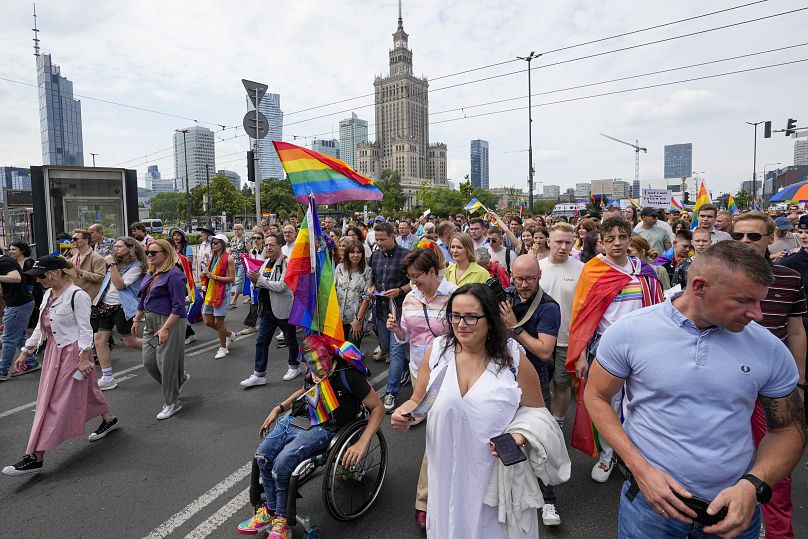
754 164
763 195
187 189
93 154
530 170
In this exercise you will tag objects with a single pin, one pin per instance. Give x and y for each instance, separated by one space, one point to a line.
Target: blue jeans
15 322
280 452
399 356
267 324
638 520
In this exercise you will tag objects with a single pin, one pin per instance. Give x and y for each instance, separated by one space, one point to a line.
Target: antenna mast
36 34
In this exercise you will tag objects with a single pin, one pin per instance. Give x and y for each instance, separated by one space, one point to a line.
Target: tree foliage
276 197
390 186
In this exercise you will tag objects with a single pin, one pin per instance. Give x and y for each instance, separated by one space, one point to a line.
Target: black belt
633 487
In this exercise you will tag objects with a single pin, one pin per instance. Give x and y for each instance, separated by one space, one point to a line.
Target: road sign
251 87
656 198
256 130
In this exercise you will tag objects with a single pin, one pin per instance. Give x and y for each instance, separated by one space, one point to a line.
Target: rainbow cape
189 278
214 295
598 285
703 198
331 180
321 401
310 275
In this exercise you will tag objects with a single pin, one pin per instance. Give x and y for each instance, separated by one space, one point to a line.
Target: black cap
206 228
646 211
803 223
47 263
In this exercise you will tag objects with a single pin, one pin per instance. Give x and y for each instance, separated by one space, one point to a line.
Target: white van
568 210
153 225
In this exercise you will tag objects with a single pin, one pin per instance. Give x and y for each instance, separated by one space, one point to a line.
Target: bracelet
282 407
802 386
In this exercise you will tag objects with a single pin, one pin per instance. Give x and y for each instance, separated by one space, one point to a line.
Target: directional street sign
256 130
251 88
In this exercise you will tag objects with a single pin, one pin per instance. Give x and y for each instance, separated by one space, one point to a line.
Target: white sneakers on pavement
247 331
293 372
602 470
549 516
254 380
190 338
169 410
105 384
221 352
230 339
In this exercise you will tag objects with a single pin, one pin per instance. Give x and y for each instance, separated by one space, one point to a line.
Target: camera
496 287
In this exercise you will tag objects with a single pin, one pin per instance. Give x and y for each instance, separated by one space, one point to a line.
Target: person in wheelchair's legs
334 391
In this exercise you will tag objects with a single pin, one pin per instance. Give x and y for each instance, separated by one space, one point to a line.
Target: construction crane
637 149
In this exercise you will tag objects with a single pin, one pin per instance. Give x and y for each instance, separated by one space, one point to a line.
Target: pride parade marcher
216 281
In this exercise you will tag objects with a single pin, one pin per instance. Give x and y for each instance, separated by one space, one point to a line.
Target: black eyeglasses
468 319
753 236
150 252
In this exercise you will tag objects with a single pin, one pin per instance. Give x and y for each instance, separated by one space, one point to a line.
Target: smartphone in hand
154 342
699 506
507 450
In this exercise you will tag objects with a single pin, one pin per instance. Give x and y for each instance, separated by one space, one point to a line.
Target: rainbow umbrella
797 192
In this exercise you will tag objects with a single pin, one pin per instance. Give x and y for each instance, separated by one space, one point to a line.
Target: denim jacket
128 296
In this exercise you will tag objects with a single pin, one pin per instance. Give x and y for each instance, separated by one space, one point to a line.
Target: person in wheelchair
333 391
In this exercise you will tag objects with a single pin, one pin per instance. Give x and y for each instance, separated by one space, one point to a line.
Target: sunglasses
150 252
753 236
77 238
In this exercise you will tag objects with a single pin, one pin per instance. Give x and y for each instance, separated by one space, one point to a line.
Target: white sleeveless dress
457 435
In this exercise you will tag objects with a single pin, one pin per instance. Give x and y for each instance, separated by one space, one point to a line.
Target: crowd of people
499 322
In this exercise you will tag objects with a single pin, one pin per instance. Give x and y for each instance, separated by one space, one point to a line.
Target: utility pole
530 170
255 156
209 209
94 154
187 189
754 165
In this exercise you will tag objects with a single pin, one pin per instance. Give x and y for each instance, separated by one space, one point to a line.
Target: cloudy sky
187 59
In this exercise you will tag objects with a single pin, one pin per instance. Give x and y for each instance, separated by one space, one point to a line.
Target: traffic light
767 130
251 166
791 126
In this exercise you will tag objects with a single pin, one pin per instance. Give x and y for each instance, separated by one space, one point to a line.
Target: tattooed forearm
785 412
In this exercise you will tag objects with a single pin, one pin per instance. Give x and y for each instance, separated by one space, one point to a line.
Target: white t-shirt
560 280
129 276
627 300
501 257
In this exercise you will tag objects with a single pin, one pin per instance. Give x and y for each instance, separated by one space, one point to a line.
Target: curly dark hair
496 343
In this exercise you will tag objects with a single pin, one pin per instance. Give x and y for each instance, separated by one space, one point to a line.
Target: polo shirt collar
442 290
681 320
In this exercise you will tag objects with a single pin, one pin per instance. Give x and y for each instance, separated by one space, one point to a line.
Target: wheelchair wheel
350 493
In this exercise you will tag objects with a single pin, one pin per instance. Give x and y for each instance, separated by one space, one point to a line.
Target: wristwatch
804 387
763 492
518 330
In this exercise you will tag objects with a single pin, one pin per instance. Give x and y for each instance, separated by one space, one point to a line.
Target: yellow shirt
474 274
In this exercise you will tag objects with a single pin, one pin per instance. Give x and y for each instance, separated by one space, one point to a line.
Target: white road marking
221 516
168 527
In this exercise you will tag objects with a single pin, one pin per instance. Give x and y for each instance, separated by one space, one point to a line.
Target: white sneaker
247 331
254 380
549 516
279 336
190 338
105 384
221 352
602 470
293 372
247 300
169 410
230 339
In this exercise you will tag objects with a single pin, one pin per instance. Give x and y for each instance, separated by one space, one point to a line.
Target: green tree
466 189
166 206
276 197
743 199
390 186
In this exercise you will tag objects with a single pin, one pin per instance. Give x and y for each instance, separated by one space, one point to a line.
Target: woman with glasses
256 252
352 280
216 282
162 309
116 303
68 396
238 246
480 379
465 270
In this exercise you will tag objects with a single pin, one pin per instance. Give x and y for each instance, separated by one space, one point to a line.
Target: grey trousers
166 363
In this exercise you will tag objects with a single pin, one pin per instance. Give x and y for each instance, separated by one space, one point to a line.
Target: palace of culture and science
402 126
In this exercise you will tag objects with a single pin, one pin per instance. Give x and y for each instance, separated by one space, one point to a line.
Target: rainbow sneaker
279 528
261 520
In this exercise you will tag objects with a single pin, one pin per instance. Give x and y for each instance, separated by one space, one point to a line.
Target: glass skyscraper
479 163
201 151
352 131
679 160
269 164
59 116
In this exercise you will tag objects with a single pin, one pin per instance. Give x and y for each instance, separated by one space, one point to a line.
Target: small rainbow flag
331 180
352 356
703 198
321 401
676 204
731 206
264 214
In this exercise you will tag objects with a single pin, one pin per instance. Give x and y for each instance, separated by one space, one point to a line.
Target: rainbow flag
310 275
634 203
321 401
331 180
731 206
351 354
703 198
676 204
265 214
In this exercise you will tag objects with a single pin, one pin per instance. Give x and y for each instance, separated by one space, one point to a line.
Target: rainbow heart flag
321 401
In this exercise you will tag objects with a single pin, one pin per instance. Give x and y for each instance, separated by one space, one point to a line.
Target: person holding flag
216 281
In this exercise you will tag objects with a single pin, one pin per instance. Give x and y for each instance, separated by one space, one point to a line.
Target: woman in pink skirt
68 394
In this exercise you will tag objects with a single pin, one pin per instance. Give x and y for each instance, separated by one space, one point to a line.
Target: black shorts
116 319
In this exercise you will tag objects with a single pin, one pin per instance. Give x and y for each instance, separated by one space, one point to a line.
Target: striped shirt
786 298
422 321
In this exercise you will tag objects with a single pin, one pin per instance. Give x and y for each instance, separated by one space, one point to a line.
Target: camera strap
532 309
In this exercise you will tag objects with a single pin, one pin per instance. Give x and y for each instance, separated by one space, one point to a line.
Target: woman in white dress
481 379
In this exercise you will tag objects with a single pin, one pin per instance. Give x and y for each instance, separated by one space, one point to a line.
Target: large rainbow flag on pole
703 198
731 206
329 179
310 275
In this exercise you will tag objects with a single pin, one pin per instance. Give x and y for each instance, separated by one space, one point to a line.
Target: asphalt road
188 476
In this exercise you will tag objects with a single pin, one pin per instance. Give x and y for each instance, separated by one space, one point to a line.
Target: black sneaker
389 402
28 465
103 429
405 377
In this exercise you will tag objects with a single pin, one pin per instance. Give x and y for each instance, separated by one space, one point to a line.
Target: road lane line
168 527
221 516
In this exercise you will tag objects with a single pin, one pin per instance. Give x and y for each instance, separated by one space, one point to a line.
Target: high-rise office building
678 160
801 151
59 116
551 191
328 147
353 131
167 185
234 177
479 163
582 190
14 178
269 164
152 174
621 189
198 144
635 189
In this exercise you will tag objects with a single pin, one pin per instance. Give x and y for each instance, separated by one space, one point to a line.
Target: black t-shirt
15 294
349 398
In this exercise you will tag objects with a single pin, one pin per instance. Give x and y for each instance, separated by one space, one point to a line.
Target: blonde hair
562 227
468 245
756 215
168 263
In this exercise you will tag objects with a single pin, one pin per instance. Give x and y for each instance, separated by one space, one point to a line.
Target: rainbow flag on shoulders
321 401
328 178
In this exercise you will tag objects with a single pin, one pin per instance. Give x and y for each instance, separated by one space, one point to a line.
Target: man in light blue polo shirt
693 368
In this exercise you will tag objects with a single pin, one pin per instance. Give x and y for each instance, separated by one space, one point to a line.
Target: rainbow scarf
352 356
598 285
215 289
321 401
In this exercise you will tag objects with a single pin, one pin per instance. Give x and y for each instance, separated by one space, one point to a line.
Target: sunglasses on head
753 236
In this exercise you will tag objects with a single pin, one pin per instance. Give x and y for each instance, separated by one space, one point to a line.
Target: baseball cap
646 211
47 263
782 223
803 222
221 237
379 219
